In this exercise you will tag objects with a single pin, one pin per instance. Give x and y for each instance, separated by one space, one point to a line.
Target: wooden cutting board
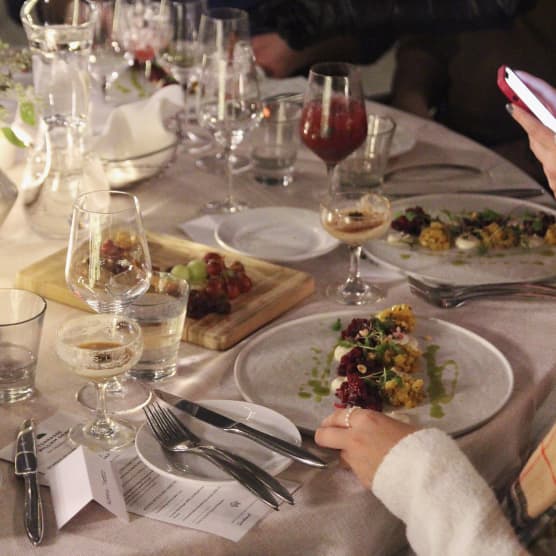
275 290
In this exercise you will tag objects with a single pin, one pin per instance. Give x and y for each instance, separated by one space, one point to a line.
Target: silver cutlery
175 437
26 467
235 427
447 296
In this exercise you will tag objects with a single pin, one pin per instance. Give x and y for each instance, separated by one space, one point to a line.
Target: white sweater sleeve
447 507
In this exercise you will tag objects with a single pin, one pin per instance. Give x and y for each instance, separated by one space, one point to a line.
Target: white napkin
138 128
201 230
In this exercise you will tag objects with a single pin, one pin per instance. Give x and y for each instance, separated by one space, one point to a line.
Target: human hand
541 140
274 55
364 437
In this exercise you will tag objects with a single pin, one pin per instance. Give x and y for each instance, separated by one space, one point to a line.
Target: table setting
181 261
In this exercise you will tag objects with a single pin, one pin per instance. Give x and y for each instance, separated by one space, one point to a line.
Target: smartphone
516 90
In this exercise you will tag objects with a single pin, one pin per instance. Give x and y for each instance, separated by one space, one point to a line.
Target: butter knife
235 427
26 467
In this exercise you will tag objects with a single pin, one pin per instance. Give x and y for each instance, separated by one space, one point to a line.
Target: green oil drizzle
405 257
317 384
438 394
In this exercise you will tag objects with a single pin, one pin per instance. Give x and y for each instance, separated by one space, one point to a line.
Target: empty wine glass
108 266
108 58
219 30
181 59
355 216
99 348
228 101
334 120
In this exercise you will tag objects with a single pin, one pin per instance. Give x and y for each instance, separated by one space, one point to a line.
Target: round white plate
457 267
279 234
272 368
403 141
199 469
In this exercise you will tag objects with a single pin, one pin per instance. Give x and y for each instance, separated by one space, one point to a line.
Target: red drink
334 135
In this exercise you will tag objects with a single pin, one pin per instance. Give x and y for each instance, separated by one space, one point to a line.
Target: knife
26 467
229 425
516 193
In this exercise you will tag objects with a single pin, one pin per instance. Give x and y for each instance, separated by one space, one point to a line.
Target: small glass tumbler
276 142
21 318
365 168
161 314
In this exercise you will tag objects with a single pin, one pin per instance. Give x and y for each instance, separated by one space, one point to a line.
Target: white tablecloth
333 514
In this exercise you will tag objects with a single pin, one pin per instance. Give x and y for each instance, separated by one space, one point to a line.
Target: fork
447 296
175 437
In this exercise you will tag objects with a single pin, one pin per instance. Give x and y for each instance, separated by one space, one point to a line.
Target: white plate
279 234
199 469
459 267
403 141
271 369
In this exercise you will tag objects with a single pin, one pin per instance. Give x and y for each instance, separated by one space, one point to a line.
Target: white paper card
81 477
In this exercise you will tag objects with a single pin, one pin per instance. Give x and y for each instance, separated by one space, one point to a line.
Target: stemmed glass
334 121
181 58
220 29
355 216
108 57
100 347
108 266
228 100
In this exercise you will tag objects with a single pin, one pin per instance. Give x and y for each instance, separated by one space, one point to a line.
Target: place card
80 478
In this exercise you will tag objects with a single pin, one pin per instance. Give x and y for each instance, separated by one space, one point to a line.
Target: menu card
225 510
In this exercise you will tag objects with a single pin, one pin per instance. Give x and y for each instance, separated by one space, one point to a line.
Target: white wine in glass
355 216
108 266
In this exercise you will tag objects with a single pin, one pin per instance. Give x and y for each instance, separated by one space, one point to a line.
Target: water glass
161 313
21 318
276 142
365 168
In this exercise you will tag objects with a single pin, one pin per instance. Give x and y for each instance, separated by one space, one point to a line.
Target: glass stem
102 425
330 175
354 258
229 174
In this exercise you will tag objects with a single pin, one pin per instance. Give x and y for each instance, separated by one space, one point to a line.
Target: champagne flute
228 103
181 59
108 266
334 121
108 56
100 347
219 30
355 216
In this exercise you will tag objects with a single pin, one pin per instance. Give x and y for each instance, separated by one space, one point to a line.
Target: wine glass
333 121
144 28
181 59
219 30
99 348
108 266
355 216
229 105
108 56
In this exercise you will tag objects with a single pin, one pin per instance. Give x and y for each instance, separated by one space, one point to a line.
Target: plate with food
469 239
425 371
192 469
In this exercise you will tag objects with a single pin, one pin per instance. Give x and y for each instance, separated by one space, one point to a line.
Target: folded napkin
139 128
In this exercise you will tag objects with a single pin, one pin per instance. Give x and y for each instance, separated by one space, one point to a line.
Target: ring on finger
347 416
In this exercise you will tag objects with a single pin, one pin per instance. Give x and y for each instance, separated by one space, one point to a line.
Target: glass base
103 439
195 142
355 293
122 396
216 163
227 206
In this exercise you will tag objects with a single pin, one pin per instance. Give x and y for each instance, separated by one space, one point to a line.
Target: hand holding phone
519 93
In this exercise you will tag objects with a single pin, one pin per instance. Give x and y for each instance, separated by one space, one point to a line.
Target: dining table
333 514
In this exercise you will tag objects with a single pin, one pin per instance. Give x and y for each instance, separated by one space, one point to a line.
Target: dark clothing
305 22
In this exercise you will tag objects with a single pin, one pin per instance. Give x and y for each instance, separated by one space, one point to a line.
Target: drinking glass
228 100
333 121
108 57
108 266
355 216
99 348
181 59
220 29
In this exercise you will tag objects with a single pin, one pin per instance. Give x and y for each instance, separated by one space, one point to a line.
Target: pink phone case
507 90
